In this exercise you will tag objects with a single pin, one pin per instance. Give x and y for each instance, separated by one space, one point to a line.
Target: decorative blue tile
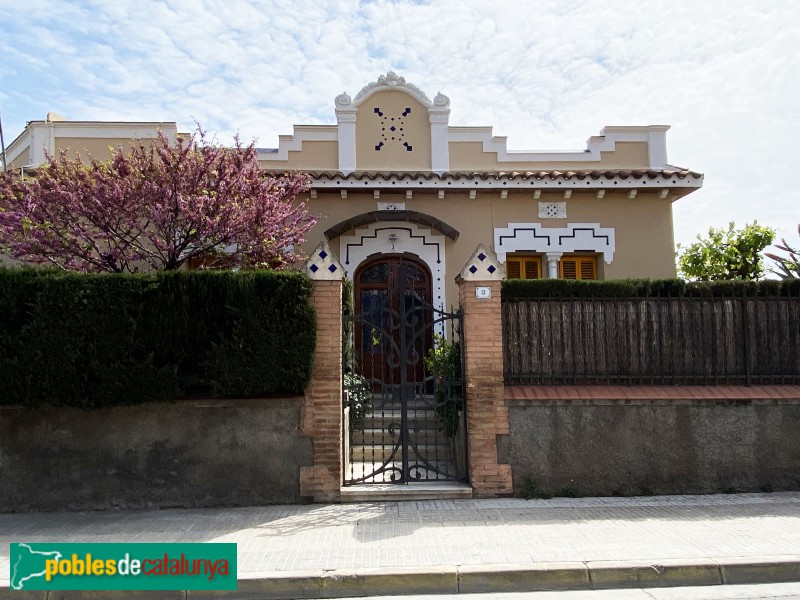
481 257
313 268
332 268
323 255
491 269
472 269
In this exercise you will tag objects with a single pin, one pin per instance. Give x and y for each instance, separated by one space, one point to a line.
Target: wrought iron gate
403 382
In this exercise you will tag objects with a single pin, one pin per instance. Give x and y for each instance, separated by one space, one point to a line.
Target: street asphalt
457 546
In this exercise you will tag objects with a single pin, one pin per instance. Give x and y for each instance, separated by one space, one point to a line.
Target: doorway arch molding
397 237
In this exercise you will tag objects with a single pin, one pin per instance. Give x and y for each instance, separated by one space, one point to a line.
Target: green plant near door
443 362
359 399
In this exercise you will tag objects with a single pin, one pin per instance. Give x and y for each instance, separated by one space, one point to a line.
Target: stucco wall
97 148
643 226
659 447
373 128
184 454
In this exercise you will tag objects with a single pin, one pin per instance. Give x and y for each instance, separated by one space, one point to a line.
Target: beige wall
643 226
97 148
465 156
371 129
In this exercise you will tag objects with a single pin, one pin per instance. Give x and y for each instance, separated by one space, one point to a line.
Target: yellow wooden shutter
587 268
569 268
532 268
523 267
578 267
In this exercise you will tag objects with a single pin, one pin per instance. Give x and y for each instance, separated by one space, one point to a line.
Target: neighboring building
392 179
87 138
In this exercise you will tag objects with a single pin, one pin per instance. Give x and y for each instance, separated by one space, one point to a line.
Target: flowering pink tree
156 206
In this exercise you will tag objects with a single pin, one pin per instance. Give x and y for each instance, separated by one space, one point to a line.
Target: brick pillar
487 415
322 409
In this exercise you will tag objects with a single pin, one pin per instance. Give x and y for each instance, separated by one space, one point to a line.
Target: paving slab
474 545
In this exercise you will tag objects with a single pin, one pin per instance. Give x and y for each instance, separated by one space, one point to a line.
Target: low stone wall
598 441
183 454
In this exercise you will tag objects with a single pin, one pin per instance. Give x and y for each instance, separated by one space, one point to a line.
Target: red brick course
535 393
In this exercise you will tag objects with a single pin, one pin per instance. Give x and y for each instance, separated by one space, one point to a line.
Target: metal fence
653 340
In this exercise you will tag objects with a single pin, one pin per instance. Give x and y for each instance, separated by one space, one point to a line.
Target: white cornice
653 135
294 143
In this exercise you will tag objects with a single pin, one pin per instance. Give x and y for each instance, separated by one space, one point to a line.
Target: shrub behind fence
651 333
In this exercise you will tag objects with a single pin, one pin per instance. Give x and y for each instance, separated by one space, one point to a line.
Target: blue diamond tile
332 268
313 268
472 269
481 257
323 255
491 269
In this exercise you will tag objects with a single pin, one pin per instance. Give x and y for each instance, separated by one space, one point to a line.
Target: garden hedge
523 289
72 339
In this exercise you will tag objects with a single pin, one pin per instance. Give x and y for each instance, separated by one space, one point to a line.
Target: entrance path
463 545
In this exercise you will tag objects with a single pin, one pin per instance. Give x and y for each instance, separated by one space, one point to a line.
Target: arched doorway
393 319
403 413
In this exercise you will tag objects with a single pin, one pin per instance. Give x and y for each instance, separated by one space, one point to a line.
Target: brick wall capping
522 395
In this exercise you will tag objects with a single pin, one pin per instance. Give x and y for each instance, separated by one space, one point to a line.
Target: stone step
367 437
383 418
380 453
441 471
391 492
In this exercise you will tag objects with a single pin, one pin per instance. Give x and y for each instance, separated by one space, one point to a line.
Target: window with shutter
569 268
523 267
578 267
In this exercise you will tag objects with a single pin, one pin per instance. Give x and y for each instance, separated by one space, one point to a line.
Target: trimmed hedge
523 289
99 340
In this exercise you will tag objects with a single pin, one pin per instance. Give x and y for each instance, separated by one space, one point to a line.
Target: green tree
727 254
788 267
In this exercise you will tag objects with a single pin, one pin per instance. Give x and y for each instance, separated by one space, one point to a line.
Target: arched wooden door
403 415
392 295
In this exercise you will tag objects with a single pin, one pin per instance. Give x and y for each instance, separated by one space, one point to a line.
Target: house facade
393 179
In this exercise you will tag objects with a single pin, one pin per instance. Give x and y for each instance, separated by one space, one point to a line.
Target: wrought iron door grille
403 383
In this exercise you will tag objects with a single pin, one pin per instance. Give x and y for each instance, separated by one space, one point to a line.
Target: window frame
521 258
579 259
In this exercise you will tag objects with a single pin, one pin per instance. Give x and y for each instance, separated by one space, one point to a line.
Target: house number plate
483 292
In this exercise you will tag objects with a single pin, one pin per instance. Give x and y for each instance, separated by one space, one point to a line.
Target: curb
470 579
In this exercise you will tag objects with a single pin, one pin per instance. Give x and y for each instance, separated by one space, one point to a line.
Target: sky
725 74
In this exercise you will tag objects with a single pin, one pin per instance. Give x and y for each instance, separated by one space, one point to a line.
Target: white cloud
548 74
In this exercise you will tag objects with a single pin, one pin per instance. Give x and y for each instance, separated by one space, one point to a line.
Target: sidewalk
463 545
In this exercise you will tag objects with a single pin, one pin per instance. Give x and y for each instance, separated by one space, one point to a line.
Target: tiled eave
533 180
